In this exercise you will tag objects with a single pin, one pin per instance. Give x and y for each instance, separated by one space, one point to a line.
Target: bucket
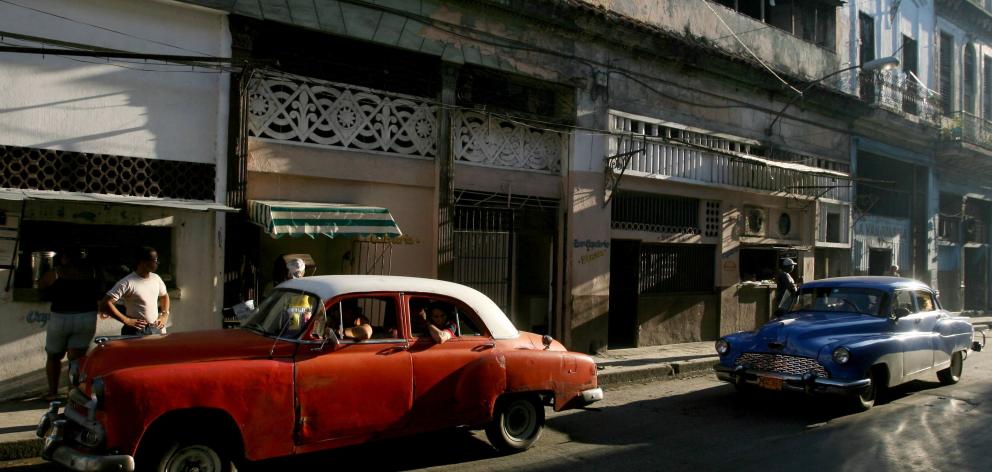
41 263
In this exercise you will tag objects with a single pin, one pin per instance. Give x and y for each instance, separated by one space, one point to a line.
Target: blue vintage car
852 336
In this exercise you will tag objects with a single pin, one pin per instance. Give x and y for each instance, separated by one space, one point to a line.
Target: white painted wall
22 339
153 111
83 104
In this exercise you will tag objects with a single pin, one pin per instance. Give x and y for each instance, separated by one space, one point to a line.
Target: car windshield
285 313
866 301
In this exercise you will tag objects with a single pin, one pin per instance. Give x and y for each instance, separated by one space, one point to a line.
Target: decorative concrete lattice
339 115
712 219
48 169
487 139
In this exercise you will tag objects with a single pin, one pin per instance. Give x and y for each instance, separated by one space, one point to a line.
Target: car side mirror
546 340
901 312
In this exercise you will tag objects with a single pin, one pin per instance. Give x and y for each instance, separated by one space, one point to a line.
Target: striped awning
281 218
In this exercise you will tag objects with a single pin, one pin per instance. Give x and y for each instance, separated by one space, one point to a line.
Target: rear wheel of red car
517 423
195 456
952 374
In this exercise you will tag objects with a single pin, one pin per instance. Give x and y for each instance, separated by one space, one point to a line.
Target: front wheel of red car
200 456
952 374
517 424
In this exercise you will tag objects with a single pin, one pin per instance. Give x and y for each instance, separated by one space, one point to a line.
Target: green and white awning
281 218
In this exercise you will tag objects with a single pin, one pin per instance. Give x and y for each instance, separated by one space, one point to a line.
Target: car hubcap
194 459
519 420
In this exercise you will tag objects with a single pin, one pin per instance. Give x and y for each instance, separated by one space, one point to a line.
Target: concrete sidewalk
18 419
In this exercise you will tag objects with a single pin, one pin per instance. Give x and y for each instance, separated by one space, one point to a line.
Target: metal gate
371 257
483 250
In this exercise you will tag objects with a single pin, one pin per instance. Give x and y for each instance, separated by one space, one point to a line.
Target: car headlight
841 355
722 346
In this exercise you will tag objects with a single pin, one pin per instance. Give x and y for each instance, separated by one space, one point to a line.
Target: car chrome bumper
808 383
592 395
51 428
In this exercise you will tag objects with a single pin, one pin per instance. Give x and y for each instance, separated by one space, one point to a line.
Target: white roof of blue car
330 286
868 281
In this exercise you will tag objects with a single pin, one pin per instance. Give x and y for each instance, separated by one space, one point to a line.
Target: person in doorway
893 271
74 291
784 282
145 298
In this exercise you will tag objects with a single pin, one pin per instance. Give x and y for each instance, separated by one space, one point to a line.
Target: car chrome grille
780 363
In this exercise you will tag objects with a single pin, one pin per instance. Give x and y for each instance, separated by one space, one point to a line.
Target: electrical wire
8 2
748 49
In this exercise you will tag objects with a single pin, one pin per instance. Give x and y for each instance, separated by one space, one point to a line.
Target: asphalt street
701 424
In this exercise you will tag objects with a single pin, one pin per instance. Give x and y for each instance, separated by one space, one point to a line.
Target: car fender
867 352
561 373
257 394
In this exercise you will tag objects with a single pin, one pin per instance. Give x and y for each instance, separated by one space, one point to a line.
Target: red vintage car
325 362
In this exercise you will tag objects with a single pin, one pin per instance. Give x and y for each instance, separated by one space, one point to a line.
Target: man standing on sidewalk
144 296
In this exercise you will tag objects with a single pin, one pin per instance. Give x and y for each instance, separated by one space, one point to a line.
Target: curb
21 449
612 376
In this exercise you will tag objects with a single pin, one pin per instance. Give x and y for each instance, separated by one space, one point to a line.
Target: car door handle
391 350
483 347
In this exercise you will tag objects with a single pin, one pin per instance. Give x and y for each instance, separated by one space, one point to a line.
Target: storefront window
111 249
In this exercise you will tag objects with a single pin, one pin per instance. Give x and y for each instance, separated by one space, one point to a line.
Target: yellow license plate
771 383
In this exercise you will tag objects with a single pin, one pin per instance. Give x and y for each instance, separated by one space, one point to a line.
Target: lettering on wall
35 316
594 249
590 244
589 257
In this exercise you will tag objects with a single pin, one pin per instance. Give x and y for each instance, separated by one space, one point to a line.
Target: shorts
66 331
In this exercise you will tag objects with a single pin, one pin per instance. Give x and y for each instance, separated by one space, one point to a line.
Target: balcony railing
328 114
662 151
901 93
485 139
965 127
343 116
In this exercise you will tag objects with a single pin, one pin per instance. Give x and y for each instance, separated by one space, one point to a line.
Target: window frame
460 307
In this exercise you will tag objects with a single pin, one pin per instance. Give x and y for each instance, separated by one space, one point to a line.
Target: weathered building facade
614 173
108 154
964 80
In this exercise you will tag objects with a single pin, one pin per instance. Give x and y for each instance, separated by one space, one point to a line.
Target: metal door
482 251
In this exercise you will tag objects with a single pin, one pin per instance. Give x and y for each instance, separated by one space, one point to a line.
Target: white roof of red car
330 286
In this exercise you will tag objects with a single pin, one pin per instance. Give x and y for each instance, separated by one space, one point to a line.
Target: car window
838 299
924 300
460 320
904 299
285 313
378 312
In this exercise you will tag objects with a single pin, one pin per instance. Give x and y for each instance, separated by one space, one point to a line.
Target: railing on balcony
965 127
902 93
491 140
660 150
343 116
309 111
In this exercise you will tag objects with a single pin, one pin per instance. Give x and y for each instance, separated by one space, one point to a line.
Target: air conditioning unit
755 221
